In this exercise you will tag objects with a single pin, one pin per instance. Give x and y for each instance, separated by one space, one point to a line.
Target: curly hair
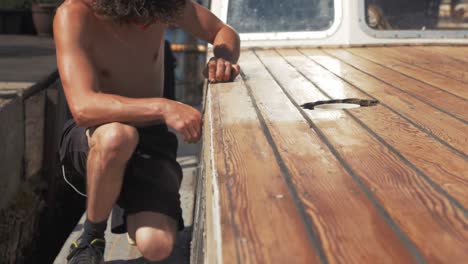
143 11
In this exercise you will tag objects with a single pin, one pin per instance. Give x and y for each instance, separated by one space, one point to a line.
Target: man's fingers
187 135
185 131
235 71
193 133
198 128
227 71
212 70
221 68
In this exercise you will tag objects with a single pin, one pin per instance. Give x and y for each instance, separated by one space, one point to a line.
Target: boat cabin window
442 15
266 16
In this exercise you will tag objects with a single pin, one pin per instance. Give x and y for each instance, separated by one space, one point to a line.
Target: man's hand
221 70
200 22
184 119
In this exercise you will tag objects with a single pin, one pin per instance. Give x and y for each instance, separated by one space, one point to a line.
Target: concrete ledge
26 58
34 115
9 90
12 148
22 117
31 106
23 182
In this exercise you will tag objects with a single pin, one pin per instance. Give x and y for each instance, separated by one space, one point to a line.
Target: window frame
405 34
293 35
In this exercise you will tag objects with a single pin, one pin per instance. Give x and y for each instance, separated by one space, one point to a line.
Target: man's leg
154 233
111 146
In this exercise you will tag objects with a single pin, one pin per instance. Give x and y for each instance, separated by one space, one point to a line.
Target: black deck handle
361 102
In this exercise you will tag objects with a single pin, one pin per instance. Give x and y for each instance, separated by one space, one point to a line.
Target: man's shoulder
74 12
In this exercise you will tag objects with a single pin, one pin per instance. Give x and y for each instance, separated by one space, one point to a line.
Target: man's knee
155 245
115 141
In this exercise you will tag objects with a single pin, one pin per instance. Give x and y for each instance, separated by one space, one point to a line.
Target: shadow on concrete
25 51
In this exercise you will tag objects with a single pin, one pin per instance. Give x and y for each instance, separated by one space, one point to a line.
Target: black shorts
152 177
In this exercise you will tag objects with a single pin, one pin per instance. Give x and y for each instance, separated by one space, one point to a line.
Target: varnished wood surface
326 188
420 75
440 64
458 53
384 184
252 190
399 133
439 124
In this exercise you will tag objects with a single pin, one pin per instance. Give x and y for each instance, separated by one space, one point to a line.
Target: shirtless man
110 59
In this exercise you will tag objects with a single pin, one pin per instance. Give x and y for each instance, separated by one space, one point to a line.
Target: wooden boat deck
382 184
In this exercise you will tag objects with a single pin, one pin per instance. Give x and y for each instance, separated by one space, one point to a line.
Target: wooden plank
457 53
434 54
444 128
377 55
335 204
434 224
257 227
212 244
446 167
437 64
437 98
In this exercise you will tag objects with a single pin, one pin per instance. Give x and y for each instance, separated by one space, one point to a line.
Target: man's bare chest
118 54
125 61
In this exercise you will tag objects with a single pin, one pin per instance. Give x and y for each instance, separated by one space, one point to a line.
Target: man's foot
91 253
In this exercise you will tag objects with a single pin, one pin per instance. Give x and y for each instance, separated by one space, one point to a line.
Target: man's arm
203 24
88 106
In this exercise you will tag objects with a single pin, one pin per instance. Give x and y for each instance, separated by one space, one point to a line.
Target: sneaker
92 253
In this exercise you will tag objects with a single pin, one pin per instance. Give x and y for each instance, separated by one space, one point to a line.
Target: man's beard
141 11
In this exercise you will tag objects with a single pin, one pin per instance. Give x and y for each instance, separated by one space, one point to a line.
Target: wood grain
211 206
257 227
443 127
334 202
435 97
436 227
457 53
450 85
437 64
444 166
